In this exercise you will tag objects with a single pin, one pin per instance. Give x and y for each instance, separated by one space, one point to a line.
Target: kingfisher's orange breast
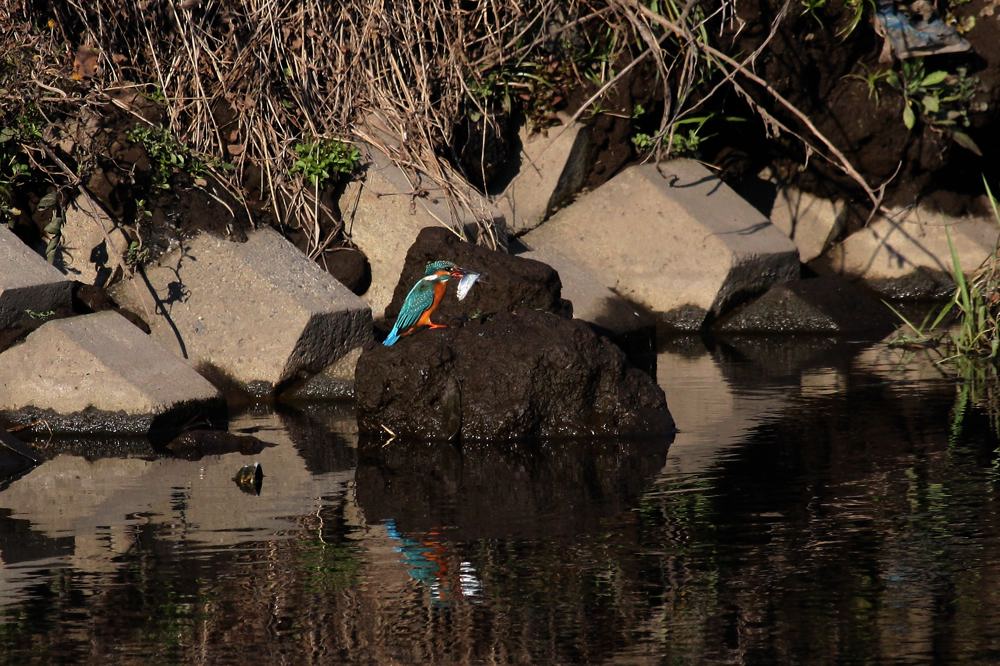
425 318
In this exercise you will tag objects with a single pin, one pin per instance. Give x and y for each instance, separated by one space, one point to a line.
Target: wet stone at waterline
514 375
98 373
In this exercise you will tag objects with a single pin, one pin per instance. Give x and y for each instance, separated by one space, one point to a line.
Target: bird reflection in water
427 560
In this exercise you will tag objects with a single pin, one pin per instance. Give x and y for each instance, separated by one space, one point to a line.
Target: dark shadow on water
528 489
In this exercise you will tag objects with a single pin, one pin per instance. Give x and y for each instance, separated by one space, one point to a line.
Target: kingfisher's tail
390 339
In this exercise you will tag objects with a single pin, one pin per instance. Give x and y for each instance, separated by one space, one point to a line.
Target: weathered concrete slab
811 222
553 169
27 282
386 210
257 313
99 373
674 239
829 305
907 255
334 382
92 243
592 300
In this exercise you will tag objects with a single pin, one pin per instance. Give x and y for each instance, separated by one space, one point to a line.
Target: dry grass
249 79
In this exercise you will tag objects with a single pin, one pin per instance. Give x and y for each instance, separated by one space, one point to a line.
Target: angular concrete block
99 373
92 243
553 169
811 222
27 282
260 312
592 300
334 382
828 304
386 210
673 238
906 255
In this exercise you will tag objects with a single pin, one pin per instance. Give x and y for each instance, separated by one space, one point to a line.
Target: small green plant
812 8
13 169
857 12
872 78
321 160
34 314
941 98
166 154
975 305
682 142
137 255
54 228
855 9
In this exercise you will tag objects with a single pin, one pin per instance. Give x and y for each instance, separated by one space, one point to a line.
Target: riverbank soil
843 80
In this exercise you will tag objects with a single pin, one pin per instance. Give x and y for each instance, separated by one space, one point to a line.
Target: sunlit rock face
672 238
212 301
98 373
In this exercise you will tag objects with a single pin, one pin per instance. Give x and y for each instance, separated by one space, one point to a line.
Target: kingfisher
424 298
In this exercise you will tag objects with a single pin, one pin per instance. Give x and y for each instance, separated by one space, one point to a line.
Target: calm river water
817 506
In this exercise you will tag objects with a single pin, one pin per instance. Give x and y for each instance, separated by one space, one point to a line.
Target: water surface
817 506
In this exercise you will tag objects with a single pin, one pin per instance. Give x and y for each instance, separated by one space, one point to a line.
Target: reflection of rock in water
315 434
489 490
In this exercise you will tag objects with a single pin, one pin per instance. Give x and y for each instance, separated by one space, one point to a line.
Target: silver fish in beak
465 284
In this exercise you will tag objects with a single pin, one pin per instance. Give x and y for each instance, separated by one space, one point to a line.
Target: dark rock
196 444
828 305
507 282
514 375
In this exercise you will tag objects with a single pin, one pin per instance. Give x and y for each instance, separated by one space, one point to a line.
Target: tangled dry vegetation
256 101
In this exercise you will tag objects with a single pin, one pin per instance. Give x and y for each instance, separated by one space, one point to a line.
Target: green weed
686 139
34 314
855 9
974 337
873 78
14 168
321 160
166 154
137 255
941 98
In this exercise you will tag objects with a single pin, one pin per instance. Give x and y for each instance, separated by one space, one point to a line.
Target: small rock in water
250 479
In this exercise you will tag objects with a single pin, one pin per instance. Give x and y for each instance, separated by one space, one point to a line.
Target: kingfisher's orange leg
425 320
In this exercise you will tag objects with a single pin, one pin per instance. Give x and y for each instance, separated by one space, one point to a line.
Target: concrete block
811 222
592 300
906 254
386 210
259 313
99 373
92 243
553 169
673 238
27 282
826 304
334 382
